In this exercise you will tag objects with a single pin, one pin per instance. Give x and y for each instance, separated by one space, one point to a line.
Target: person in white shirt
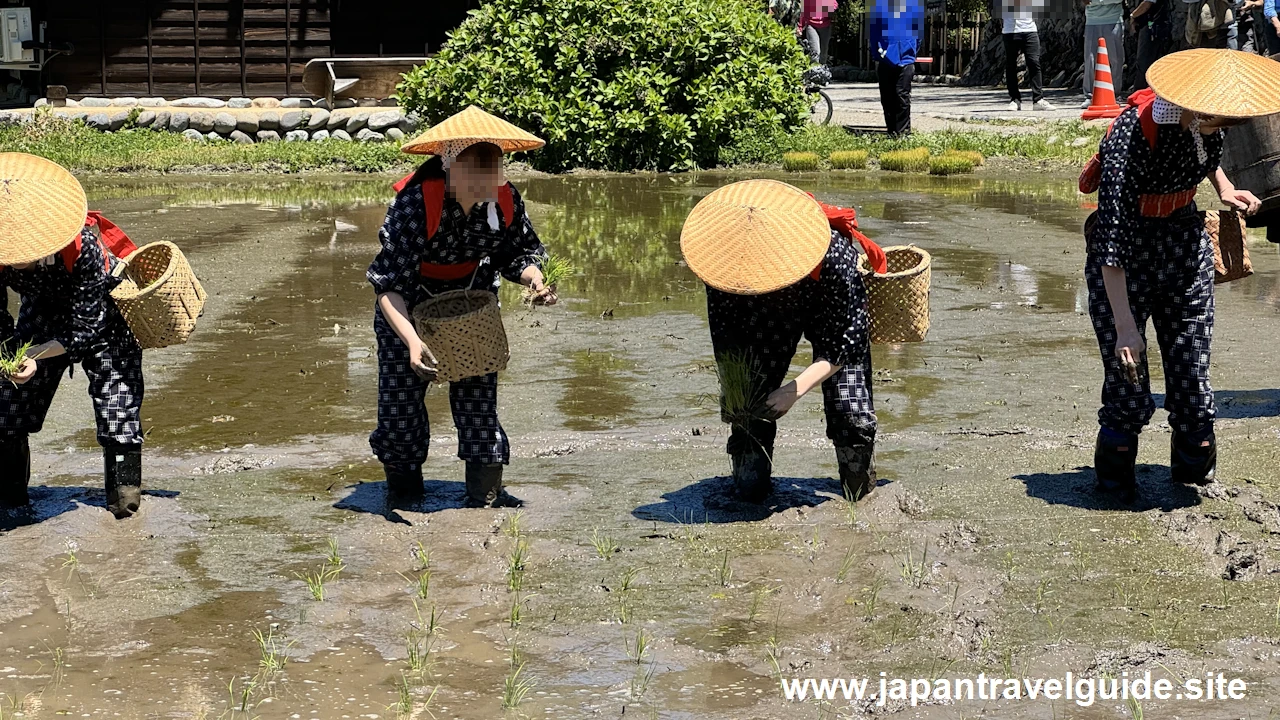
1020 36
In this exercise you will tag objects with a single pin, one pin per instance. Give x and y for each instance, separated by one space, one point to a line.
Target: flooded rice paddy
632 585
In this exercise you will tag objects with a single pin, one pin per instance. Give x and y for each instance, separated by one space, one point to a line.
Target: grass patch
849 159
801 162
950 165
907 161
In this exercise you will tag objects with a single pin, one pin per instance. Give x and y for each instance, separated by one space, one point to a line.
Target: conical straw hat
469 127
1226 83
755 237
42 208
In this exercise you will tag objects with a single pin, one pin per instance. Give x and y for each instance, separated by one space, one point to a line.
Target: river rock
294 102
145 118
1080 142
124 102
194 135
199 102
81 115
367 135
319 135
240 138
394 134
357 122
213 136
224 123
239 103
340 135
201 121
380 121
96 102
296 136
292 120
179 122
408 125
42 102
335 122
344 103
247 124
152 102
118 120
269 121
99 121
268 136
322 103
319 120
264 102
162 120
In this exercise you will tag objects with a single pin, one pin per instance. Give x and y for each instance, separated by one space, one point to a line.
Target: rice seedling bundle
915 160
555 268
950 165
11 362
801 162
741 392
972 155
849 159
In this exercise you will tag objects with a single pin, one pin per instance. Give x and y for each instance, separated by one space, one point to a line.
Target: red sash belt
450 271
1162 206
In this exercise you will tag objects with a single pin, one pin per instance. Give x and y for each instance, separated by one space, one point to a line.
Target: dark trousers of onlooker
1029 45
1151 47
1265 38
895 96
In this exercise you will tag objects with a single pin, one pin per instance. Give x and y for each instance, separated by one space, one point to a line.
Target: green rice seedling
605 546
241 698
556 268
516 614
871 596
950 165
1135 708
773 653
272 653
430 625
514 527
11 362
907 161
973 155
638 650
628 579
1010 565
421 556
335 557
421 583
801 162
624 609
915 571
317 580
758 596
846 564
71 560
517 562
417 652
641 680
724 573
741 391
849 159
515 688
403 706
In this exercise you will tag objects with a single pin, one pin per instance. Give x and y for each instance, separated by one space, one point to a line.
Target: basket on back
159 296
899 299
464 331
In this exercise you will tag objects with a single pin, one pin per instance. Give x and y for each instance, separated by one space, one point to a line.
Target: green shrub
849 159
950 164
914 160
620 84
801 162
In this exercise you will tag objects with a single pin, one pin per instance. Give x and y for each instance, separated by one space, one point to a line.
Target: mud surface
983 550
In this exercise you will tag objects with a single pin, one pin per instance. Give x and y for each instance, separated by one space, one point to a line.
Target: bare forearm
1220 182
814 375
396 311
1113 279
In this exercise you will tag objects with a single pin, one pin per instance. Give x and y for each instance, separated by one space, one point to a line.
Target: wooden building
226 48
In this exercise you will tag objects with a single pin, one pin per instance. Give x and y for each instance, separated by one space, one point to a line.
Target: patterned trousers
116 387
1170 283
404 431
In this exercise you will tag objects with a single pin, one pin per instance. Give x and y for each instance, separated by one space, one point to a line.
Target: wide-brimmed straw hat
42 208
1225 83
467 128
754 237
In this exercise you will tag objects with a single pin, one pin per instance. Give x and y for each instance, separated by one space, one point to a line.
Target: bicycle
815 80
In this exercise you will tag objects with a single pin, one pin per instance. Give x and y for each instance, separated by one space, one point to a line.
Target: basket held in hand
899 299
159 295
1226 228
463 329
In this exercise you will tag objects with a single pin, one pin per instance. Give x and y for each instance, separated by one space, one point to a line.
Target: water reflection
596 395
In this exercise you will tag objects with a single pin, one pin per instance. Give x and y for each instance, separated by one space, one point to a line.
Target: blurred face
477 174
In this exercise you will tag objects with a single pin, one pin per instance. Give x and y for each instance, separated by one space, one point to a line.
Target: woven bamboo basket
159 295
464 331
899 299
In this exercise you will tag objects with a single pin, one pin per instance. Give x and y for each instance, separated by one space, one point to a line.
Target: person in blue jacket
896 26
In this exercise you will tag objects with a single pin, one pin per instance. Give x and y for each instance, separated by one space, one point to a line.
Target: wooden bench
372 77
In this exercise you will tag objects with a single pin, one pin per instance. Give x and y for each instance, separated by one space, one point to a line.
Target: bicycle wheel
821 110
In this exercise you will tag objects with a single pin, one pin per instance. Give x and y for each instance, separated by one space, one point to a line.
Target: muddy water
982 551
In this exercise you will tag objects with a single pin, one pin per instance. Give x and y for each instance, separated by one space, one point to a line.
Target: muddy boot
15 473
404 483
484 487
1113 464
857 470
123 473
752 475
1193 457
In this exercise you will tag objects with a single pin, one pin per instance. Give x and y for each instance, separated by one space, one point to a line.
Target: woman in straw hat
63 274
1149 257
779 265
455 223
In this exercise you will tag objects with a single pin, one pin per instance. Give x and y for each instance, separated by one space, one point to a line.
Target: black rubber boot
404 483
1193 457
15 472
1114 461
857 470
484 487
752 475
123 473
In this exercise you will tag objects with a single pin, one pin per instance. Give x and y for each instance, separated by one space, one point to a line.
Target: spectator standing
1151 22
1021 36
1103 19
815 27
1212 24
896 26
786 12
1267 28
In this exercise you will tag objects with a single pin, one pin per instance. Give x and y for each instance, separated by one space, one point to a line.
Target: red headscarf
845 221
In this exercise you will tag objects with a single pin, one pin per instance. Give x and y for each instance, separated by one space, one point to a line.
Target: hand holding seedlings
17 367
542 280
1129 347
425 366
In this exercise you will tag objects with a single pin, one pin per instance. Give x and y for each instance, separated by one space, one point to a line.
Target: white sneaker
1014 106
1043 105
1088 102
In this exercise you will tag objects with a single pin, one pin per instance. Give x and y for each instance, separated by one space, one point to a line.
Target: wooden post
102 44
151 79
244 67
943 70
288 48
195 26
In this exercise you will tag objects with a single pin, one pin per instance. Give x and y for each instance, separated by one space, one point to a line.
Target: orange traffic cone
1103 104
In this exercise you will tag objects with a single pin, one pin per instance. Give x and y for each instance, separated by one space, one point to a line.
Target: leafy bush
620 84
801 162
950 164
916 160
849 159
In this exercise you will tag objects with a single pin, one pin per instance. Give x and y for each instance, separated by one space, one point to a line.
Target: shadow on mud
371 498
50 501
1246 404
1076 488
712 500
